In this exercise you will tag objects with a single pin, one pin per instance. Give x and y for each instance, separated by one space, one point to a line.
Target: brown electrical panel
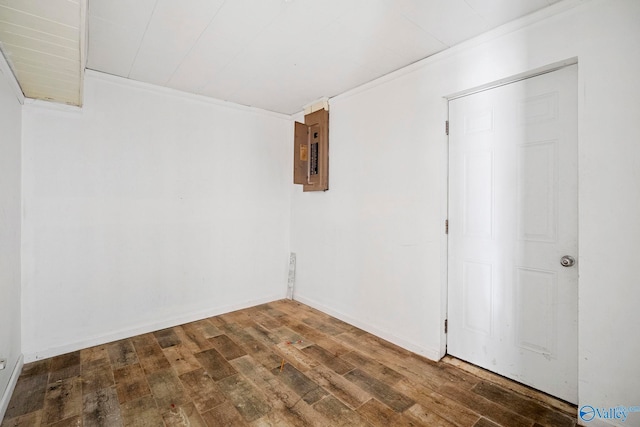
311 152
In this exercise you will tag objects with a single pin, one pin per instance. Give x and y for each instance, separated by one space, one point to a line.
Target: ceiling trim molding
516 78
510 27
5 70
181 94
51 105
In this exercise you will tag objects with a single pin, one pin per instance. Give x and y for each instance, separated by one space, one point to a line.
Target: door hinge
446 226
446 127
446 325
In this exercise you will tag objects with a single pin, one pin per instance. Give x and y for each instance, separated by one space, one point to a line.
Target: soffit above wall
42 41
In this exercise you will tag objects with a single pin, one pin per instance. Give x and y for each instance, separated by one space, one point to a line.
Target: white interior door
513 307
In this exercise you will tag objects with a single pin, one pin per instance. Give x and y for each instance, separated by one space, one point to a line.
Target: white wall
371 251
148 208
10 226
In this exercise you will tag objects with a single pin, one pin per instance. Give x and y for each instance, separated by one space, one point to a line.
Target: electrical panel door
301 153
311 152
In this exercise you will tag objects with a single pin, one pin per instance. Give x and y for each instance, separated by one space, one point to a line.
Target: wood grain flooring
277 364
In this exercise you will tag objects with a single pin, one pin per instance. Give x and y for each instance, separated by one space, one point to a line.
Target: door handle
567 261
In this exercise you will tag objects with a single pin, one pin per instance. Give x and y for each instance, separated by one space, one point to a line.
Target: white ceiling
274 54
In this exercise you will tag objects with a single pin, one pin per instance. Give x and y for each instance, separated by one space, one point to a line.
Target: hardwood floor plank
167 337
272 311
188 341
64 361
167 389
141 412
64 366
181 359
365 344
101 408
63 399
216 366
224 415
440 405
382 391
380 415
28 395
122 353
263 335
248 400
288 307
339 413
255 372
92 354
251 345
295 357
462 378
296 310
202 390
217 322
388 346
426 418
206 328
293 410
327 359
308 390
373 368
323 326
36 368
27 420
353 330
75 421
346 391
313 335
238 317
460 365
131 383
150 353
96 375
430 373
414 366
184 416
523 406
263 319
273 419
193 336
226 347
483 422
290 337
485 407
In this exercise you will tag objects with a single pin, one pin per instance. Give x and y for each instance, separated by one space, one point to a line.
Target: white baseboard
143 329
6 396
429 353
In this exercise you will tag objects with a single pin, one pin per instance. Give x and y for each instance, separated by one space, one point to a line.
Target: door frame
445 175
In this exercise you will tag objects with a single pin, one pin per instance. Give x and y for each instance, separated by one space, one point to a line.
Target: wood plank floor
277 364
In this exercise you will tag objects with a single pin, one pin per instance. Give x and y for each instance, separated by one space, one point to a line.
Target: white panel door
512 217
